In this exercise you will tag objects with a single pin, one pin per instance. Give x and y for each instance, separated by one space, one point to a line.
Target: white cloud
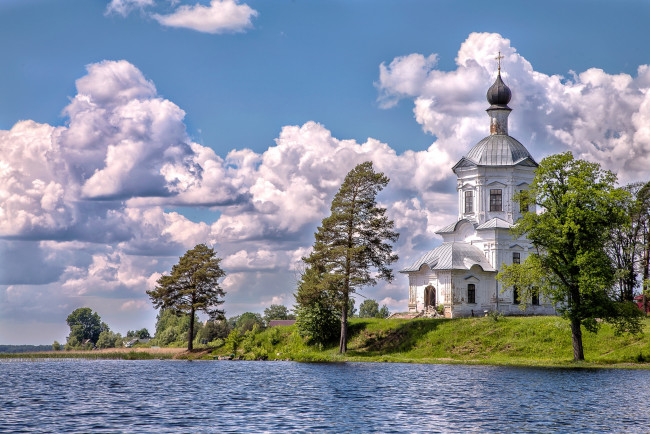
221 16
124 7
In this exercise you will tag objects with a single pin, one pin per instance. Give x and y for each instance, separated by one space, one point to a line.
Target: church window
523 203
515 295
469 202
495 200
516 258
471 293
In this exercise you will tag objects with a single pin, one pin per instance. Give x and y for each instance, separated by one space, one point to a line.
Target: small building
460 273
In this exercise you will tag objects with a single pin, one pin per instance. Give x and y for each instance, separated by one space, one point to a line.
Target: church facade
461 273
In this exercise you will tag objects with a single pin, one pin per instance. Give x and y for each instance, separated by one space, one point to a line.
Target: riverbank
512 341
506 341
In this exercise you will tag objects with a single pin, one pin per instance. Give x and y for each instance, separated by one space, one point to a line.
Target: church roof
495 223
497 150
452 256
450 229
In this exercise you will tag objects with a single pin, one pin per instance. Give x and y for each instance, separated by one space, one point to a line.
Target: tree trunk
190 333
576 335
343 345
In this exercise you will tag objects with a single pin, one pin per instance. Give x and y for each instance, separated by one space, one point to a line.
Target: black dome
498 95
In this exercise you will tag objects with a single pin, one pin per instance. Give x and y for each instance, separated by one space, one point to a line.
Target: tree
192 285
277 311
138 334
109 339
383 312
352 311
626 244
56 346
354 241
214 330
317 316
172 329
84 325
570 264
369 309
246 321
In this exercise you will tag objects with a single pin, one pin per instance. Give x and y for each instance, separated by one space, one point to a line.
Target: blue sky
130 131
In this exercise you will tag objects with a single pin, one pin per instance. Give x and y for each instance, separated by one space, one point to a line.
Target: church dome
499 150
498 95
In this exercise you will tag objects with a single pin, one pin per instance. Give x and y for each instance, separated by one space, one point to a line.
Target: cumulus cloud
599 116
221 16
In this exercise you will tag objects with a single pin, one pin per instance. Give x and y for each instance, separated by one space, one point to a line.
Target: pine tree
353 245
192 286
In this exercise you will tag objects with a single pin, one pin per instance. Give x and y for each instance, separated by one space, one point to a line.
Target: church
460 274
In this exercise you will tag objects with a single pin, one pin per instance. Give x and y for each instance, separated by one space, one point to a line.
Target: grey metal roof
450 229
499 150
451 256
495 223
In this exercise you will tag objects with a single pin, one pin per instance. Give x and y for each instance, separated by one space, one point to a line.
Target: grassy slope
525 341
541 341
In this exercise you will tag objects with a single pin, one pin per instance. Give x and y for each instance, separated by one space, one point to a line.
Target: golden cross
498 58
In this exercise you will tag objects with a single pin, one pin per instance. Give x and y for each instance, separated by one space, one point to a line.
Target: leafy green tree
56 346
214 330
84 325
317 316
233 340
354 241
247 320
352 311
627 241
369 309
138 334
570 264
109 339
277 312
172 328
192 286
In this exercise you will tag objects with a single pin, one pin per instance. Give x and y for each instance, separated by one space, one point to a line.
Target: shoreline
181 354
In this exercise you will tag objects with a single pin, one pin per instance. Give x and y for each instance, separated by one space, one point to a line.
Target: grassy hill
537 341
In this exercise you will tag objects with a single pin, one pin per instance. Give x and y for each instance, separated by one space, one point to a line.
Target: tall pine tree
192 285
353 245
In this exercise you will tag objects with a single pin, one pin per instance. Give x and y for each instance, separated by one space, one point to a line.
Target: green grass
521 341
516 341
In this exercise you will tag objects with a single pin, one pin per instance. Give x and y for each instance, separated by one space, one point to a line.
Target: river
207 396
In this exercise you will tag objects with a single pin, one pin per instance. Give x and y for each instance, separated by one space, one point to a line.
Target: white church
460 274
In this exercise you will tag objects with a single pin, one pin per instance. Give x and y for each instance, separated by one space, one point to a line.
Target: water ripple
181 396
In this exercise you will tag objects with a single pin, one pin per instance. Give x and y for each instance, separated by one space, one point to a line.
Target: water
206 396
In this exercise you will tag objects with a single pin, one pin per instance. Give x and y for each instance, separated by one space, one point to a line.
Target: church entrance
429 297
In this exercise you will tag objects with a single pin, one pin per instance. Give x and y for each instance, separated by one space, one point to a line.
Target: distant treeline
24 348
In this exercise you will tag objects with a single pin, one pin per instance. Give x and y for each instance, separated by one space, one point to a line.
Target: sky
132 130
